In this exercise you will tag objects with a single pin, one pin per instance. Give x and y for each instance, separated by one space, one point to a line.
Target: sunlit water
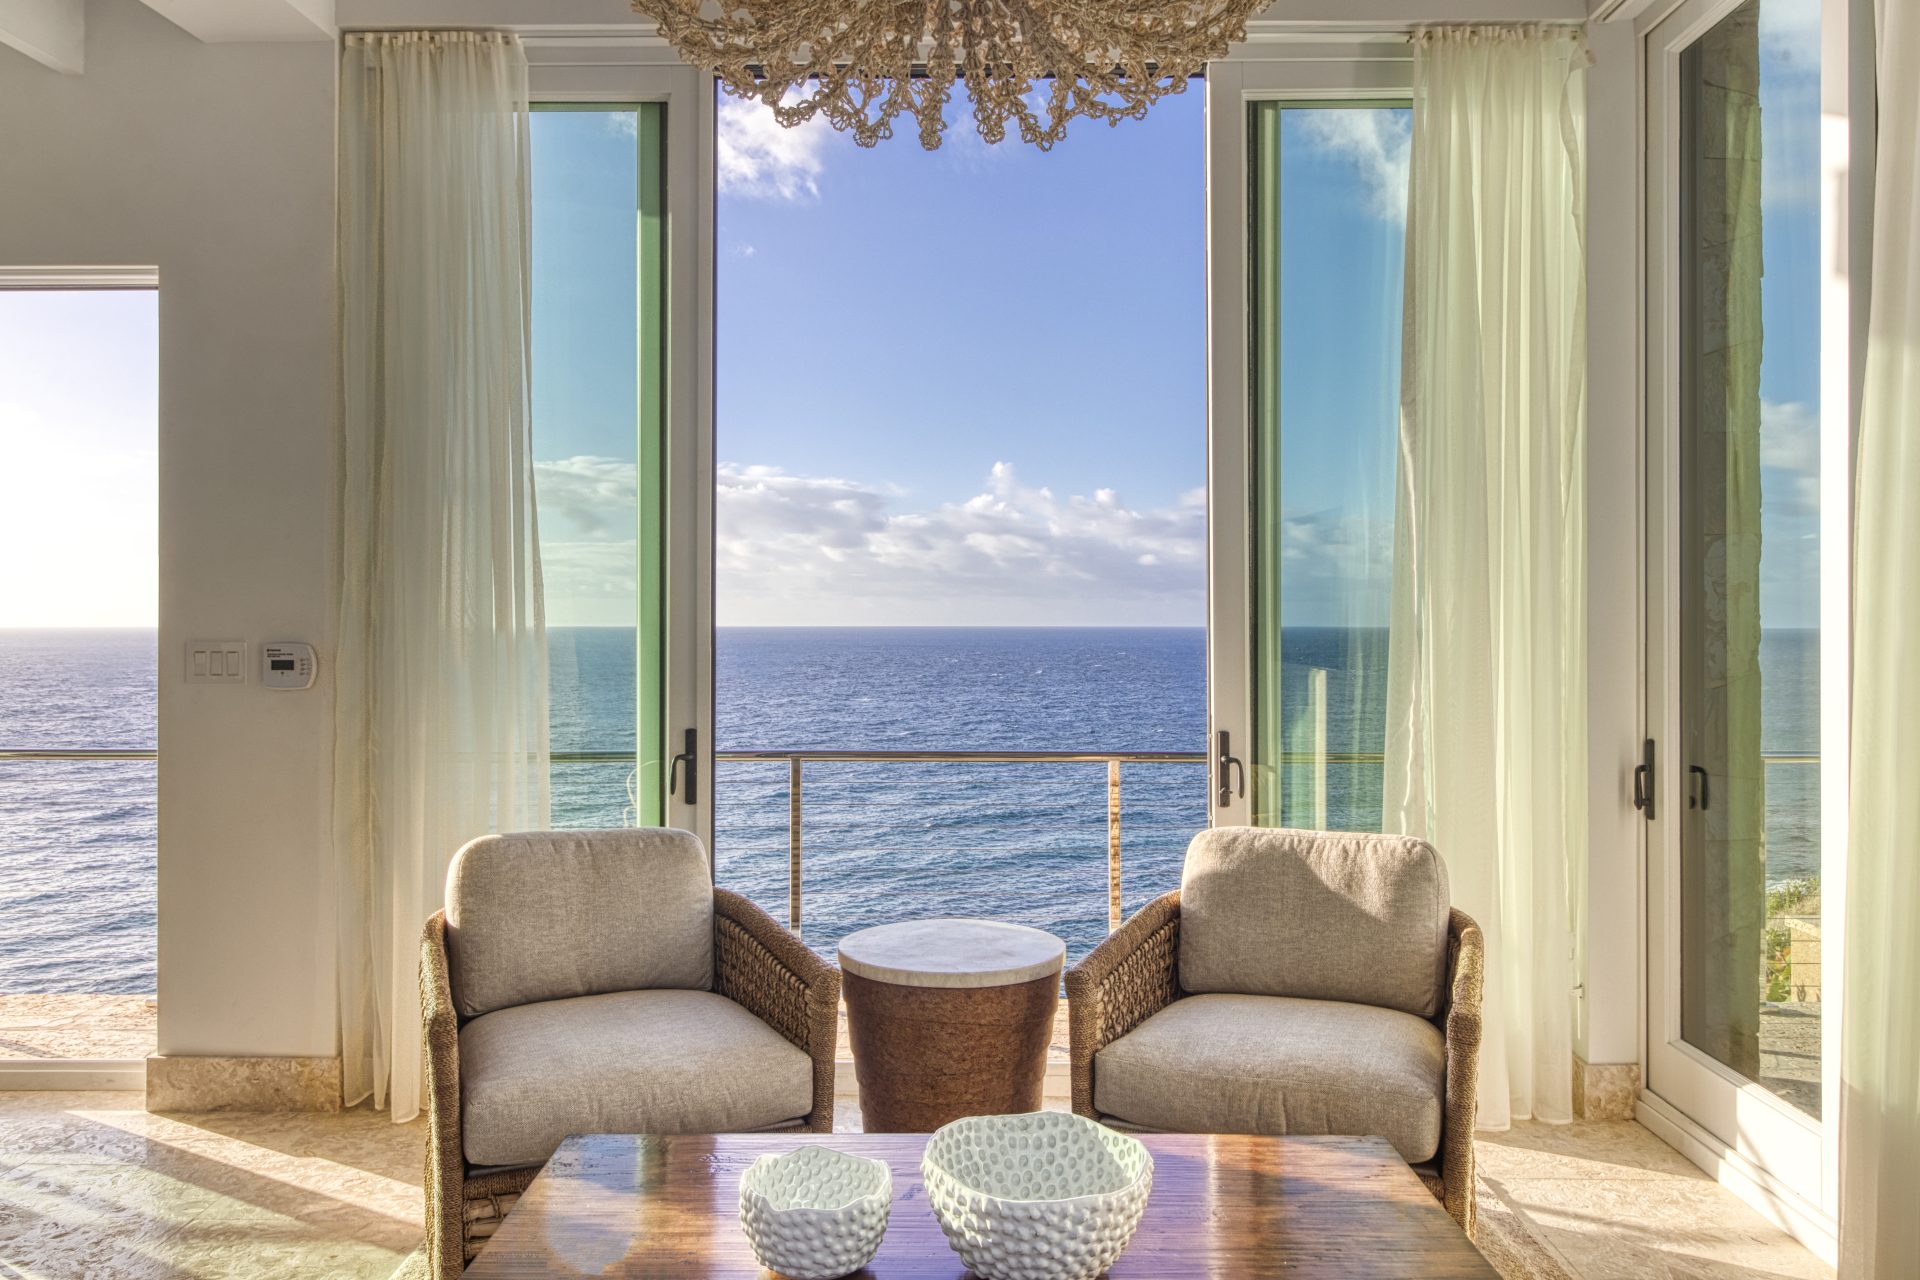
880 841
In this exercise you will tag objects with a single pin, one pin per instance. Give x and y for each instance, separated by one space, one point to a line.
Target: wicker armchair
756 964
1135 974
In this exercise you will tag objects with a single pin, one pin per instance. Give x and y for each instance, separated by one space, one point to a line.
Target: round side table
948 1018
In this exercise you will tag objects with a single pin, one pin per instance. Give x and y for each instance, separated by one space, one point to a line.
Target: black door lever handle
686 757
1229 766
1696 771
1643 781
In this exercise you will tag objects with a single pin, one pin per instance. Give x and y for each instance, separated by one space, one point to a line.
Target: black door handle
686 757
1696 771
1643 781
1229 765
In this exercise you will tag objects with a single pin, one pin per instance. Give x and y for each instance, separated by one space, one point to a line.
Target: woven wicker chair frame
756 963
1135 973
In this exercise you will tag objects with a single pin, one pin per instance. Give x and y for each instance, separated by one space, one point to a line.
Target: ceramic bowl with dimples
1041 1196
814 1213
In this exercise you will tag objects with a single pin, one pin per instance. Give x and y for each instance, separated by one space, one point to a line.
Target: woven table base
926 1056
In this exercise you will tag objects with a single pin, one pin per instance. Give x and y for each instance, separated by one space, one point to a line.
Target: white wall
1608 1028
215 163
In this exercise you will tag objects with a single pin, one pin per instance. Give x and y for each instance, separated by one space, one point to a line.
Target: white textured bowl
1041 1196
814 1213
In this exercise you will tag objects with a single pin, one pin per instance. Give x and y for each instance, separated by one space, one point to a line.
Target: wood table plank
631 1206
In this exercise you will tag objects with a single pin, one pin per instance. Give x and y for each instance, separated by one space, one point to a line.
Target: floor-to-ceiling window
78 524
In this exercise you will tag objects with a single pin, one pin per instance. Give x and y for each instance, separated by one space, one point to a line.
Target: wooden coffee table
1225 1208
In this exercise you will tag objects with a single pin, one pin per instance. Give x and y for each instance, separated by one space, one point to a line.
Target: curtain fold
1880 1017
441 685
1486 684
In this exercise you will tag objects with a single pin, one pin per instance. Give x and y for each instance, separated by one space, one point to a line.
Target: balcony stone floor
93 1186
77 1026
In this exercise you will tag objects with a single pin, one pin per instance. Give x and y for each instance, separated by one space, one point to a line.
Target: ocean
881 841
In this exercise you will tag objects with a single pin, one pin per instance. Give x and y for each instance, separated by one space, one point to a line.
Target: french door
1306 228
1744 767
623 159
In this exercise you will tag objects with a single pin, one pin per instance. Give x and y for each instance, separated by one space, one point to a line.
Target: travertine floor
93 1186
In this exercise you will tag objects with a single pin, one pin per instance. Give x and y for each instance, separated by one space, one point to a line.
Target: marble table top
952 953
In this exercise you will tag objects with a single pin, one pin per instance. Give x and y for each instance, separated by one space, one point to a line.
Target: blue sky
79 464
965 386
968 386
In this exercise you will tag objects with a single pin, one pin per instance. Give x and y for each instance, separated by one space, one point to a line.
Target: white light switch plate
216 662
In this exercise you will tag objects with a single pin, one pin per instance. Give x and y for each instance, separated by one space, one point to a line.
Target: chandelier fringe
1032 65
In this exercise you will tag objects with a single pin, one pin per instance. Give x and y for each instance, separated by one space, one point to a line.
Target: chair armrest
446 1171
762 967
1120 984
1466 962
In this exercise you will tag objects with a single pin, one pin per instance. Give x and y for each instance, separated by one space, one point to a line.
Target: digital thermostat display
289 664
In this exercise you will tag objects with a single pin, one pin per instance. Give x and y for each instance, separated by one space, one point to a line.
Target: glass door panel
1737 1049
1326 242
599 391
1748 551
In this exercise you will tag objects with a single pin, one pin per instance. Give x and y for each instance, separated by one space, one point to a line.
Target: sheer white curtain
1486 681
1880 1044
441 723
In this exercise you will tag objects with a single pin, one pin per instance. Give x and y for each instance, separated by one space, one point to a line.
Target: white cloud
815 549
760 157
812 550
1377 143
585 498
587 562
1790 448
1336 568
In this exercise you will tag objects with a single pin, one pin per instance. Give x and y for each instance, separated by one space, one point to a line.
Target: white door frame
1779 1159
630 69
1366 68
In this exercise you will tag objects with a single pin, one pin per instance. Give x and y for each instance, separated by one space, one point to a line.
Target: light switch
216 662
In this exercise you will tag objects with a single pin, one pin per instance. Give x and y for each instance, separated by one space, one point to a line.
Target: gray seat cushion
1277 1065
631 1062
1315 914
544 915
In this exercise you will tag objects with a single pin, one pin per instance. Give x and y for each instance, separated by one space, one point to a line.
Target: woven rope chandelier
1037 63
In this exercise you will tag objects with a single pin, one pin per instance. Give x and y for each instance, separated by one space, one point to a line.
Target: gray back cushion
545 915
1315 914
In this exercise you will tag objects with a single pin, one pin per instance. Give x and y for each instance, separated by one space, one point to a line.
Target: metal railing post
793 844
1113 844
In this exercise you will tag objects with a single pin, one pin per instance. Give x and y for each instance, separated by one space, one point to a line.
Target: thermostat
286 664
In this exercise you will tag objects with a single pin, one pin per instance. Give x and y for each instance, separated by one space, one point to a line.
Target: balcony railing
797 762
